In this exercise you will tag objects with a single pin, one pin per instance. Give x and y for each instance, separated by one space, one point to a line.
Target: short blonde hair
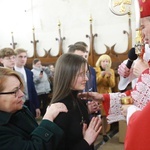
20 50
6 52
103 57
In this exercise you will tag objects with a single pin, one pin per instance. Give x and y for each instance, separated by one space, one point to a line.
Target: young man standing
31 96
8 58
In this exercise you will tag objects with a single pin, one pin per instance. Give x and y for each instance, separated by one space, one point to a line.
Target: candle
59 23
91 18
33 29
137 13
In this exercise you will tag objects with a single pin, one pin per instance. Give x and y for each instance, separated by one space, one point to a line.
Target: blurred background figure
52 69
8 58
31 98
41 76
105 78
91 84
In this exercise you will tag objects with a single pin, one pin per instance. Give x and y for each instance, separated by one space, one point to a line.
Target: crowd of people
81 94
27 89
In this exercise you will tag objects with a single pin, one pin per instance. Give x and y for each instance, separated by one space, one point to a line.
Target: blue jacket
91 85
32 94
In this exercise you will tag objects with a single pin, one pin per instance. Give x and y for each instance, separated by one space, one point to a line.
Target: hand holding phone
41 72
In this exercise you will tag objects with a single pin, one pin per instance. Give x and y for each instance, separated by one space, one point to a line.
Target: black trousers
44 102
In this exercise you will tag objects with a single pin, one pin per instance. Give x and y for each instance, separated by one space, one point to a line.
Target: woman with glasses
18 128
8 58
71 75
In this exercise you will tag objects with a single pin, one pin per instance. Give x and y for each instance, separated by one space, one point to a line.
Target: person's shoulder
97 69
92 68
20 74
68 101
28 70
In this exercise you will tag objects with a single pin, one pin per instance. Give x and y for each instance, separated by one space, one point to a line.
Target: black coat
71 123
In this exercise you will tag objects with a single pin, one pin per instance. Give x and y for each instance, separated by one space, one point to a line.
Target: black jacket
71 123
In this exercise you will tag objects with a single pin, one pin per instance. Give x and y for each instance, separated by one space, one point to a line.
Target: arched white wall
19 16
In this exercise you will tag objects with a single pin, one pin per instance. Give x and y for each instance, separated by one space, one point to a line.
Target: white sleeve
130 111
146 56
123 82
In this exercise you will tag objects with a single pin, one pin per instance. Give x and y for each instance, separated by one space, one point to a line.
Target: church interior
46 28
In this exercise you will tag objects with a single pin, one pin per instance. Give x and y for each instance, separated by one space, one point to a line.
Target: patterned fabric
140 95
141 92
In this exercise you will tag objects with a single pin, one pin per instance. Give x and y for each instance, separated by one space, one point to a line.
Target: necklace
78 106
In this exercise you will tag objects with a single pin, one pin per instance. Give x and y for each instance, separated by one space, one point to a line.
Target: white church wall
19 17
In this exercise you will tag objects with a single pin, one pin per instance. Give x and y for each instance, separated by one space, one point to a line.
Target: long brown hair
66 69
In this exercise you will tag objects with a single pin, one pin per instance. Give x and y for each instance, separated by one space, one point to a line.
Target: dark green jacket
20 131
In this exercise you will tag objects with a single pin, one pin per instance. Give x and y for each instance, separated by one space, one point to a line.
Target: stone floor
113 143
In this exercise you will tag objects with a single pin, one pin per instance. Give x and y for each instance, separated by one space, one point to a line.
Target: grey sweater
42 85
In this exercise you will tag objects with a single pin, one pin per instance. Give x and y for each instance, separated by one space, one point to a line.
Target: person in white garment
137 135
127 75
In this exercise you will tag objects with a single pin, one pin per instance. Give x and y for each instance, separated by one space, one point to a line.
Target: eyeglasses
16 92
10 58
83 74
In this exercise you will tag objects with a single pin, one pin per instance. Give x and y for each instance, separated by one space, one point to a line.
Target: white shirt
21 70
